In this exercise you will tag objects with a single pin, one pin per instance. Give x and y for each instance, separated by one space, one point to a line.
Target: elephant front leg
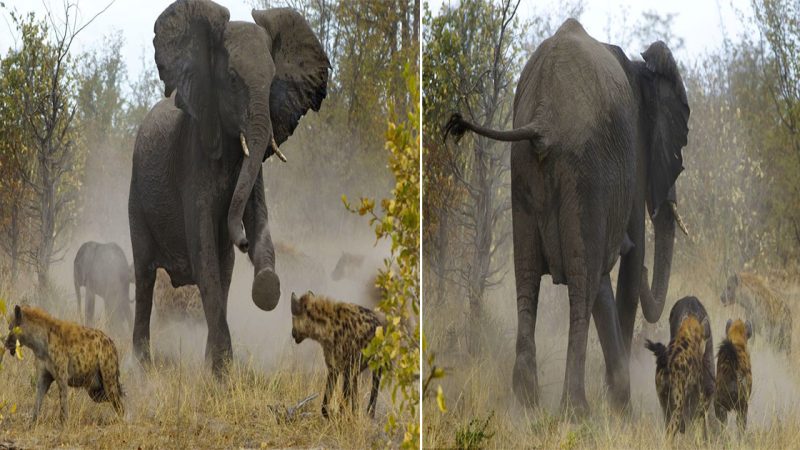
606 322
266 289
206 269
89 317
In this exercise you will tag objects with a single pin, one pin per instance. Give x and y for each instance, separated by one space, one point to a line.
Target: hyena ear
749 327
312 294
728 326
17 314
296 307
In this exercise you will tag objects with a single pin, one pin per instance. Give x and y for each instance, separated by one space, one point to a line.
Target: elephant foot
266 290
619 391
142 353
525 381
575 407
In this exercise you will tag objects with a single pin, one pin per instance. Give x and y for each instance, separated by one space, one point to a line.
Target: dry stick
290 414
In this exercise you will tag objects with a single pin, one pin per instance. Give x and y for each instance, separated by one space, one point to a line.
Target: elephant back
571 65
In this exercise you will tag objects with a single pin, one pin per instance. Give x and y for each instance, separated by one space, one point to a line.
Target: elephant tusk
275 150
244 145
678 218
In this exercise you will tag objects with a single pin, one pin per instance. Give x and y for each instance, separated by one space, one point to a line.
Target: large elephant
596 138
103 270
236 91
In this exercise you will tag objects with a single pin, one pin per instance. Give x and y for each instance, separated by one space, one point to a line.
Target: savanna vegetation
738 196
69 117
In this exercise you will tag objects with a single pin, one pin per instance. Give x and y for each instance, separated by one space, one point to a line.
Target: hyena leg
741 418
42 386
61 381
373 394
349 389
677 394
329 385
110 376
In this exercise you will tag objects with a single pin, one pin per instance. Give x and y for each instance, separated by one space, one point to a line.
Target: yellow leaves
3 308
18 350
17 331
440 399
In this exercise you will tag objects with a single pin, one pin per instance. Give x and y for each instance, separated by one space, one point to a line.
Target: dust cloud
310 227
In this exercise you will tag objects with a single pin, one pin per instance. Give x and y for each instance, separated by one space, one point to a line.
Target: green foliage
395 350
44 159
741 190
475 434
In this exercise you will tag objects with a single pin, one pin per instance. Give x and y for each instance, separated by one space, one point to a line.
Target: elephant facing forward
596 138
236 91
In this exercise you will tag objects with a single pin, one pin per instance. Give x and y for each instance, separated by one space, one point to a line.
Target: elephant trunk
254 146
653 300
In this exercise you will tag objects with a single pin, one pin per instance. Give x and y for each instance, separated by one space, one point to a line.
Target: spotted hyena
679 376
343 330
734 378
768 313
70 355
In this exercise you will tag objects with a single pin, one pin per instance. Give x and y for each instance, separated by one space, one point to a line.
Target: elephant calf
103 270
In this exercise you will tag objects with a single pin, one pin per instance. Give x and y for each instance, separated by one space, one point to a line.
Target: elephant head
664 119
244 85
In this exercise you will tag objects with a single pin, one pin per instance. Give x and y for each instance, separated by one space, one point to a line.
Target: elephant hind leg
527 270
606 321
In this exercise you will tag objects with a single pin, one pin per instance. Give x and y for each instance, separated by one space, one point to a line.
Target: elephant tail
457 126
659 350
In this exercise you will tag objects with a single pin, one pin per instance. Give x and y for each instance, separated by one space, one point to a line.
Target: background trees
740 189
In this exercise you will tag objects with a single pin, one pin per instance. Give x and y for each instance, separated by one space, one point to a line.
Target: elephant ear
301 69
668 113
187 35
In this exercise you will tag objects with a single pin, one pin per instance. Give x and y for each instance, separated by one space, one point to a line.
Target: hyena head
303 324
24 325
728 296
738 332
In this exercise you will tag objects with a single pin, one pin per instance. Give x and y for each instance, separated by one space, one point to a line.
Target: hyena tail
659 350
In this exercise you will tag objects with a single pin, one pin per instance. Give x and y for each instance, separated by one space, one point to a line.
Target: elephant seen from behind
596 142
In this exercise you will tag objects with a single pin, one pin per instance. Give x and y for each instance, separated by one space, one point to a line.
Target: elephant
234 92
103 270
596 137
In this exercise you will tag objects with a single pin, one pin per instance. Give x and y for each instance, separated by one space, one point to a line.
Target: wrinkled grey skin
596 138
691 306
194 194
103 270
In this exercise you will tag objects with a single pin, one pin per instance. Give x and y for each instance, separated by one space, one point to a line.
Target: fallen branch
285 414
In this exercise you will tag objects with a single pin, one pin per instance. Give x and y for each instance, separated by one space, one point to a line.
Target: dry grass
177 403
477 388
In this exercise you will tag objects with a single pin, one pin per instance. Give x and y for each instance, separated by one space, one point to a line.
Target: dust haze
310 228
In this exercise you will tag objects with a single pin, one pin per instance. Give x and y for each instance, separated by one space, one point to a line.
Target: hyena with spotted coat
679 376
768 313
69 354
734 376
343 330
